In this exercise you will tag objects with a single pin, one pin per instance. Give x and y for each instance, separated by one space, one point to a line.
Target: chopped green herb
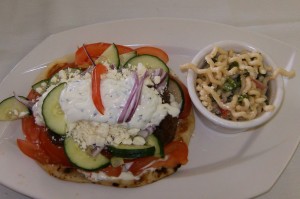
232 84
242 97
233 64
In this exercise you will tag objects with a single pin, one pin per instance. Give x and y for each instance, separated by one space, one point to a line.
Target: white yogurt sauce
77 104
100 176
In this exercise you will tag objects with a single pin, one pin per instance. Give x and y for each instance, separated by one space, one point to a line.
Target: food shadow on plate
239 157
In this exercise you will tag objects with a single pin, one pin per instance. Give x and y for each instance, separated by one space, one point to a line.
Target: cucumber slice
126 56
154 141
131 151
63 75
53 115
81 158
111 55
116 161
175 89
149 61
12 109
41 86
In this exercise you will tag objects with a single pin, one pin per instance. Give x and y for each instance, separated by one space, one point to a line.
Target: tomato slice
38 146
33 95
176 153
34 151
140 163
96 81
112 171
95 50
187 106
179 151
31 130
56 153
153 51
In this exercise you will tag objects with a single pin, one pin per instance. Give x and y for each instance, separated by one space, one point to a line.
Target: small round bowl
227 126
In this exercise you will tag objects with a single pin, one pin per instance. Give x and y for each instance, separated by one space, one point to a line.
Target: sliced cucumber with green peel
41 86
53 115
83 159
12 109
63 75
175 89
111 55
131 151
154 141
149 61
126 56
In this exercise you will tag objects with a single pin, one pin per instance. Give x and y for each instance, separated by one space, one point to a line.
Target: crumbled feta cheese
148 82
87 133
133 132
156 79
39 90
54 79
22 114
139 140
15 112
43 84
127 141
62 75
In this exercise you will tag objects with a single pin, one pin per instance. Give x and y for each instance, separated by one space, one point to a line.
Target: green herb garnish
233 64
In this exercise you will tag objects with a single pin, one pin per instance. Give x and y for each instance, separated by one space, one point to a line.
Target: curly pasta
234 85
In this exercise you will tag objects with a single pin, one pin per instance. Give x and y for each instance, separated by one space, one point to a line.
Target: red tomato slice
31 130
149 50
176 152
32 95
140 163
33 151
56 153
96 80
95 50
112 171
179 150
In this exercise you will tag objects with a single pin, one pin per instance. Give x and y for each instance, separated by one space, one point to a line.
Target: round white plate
220 165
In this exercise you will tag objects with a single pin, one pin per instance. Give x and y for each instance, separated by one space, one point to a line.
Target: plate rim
155 18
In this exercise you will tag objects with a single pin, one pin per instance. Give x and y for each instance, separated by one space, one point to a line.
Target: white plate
220 166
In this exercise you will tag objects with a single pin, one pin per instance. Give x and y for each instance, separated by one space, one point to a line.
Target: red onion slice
27 103
96 150
90 68
133 99
124 114
136 102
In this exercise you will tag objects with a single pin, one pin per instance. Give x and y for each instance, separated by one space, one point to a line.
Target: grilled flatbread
184 130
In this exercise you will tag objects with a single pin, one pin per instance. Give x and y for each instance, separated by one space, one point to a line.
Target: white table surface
25 23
